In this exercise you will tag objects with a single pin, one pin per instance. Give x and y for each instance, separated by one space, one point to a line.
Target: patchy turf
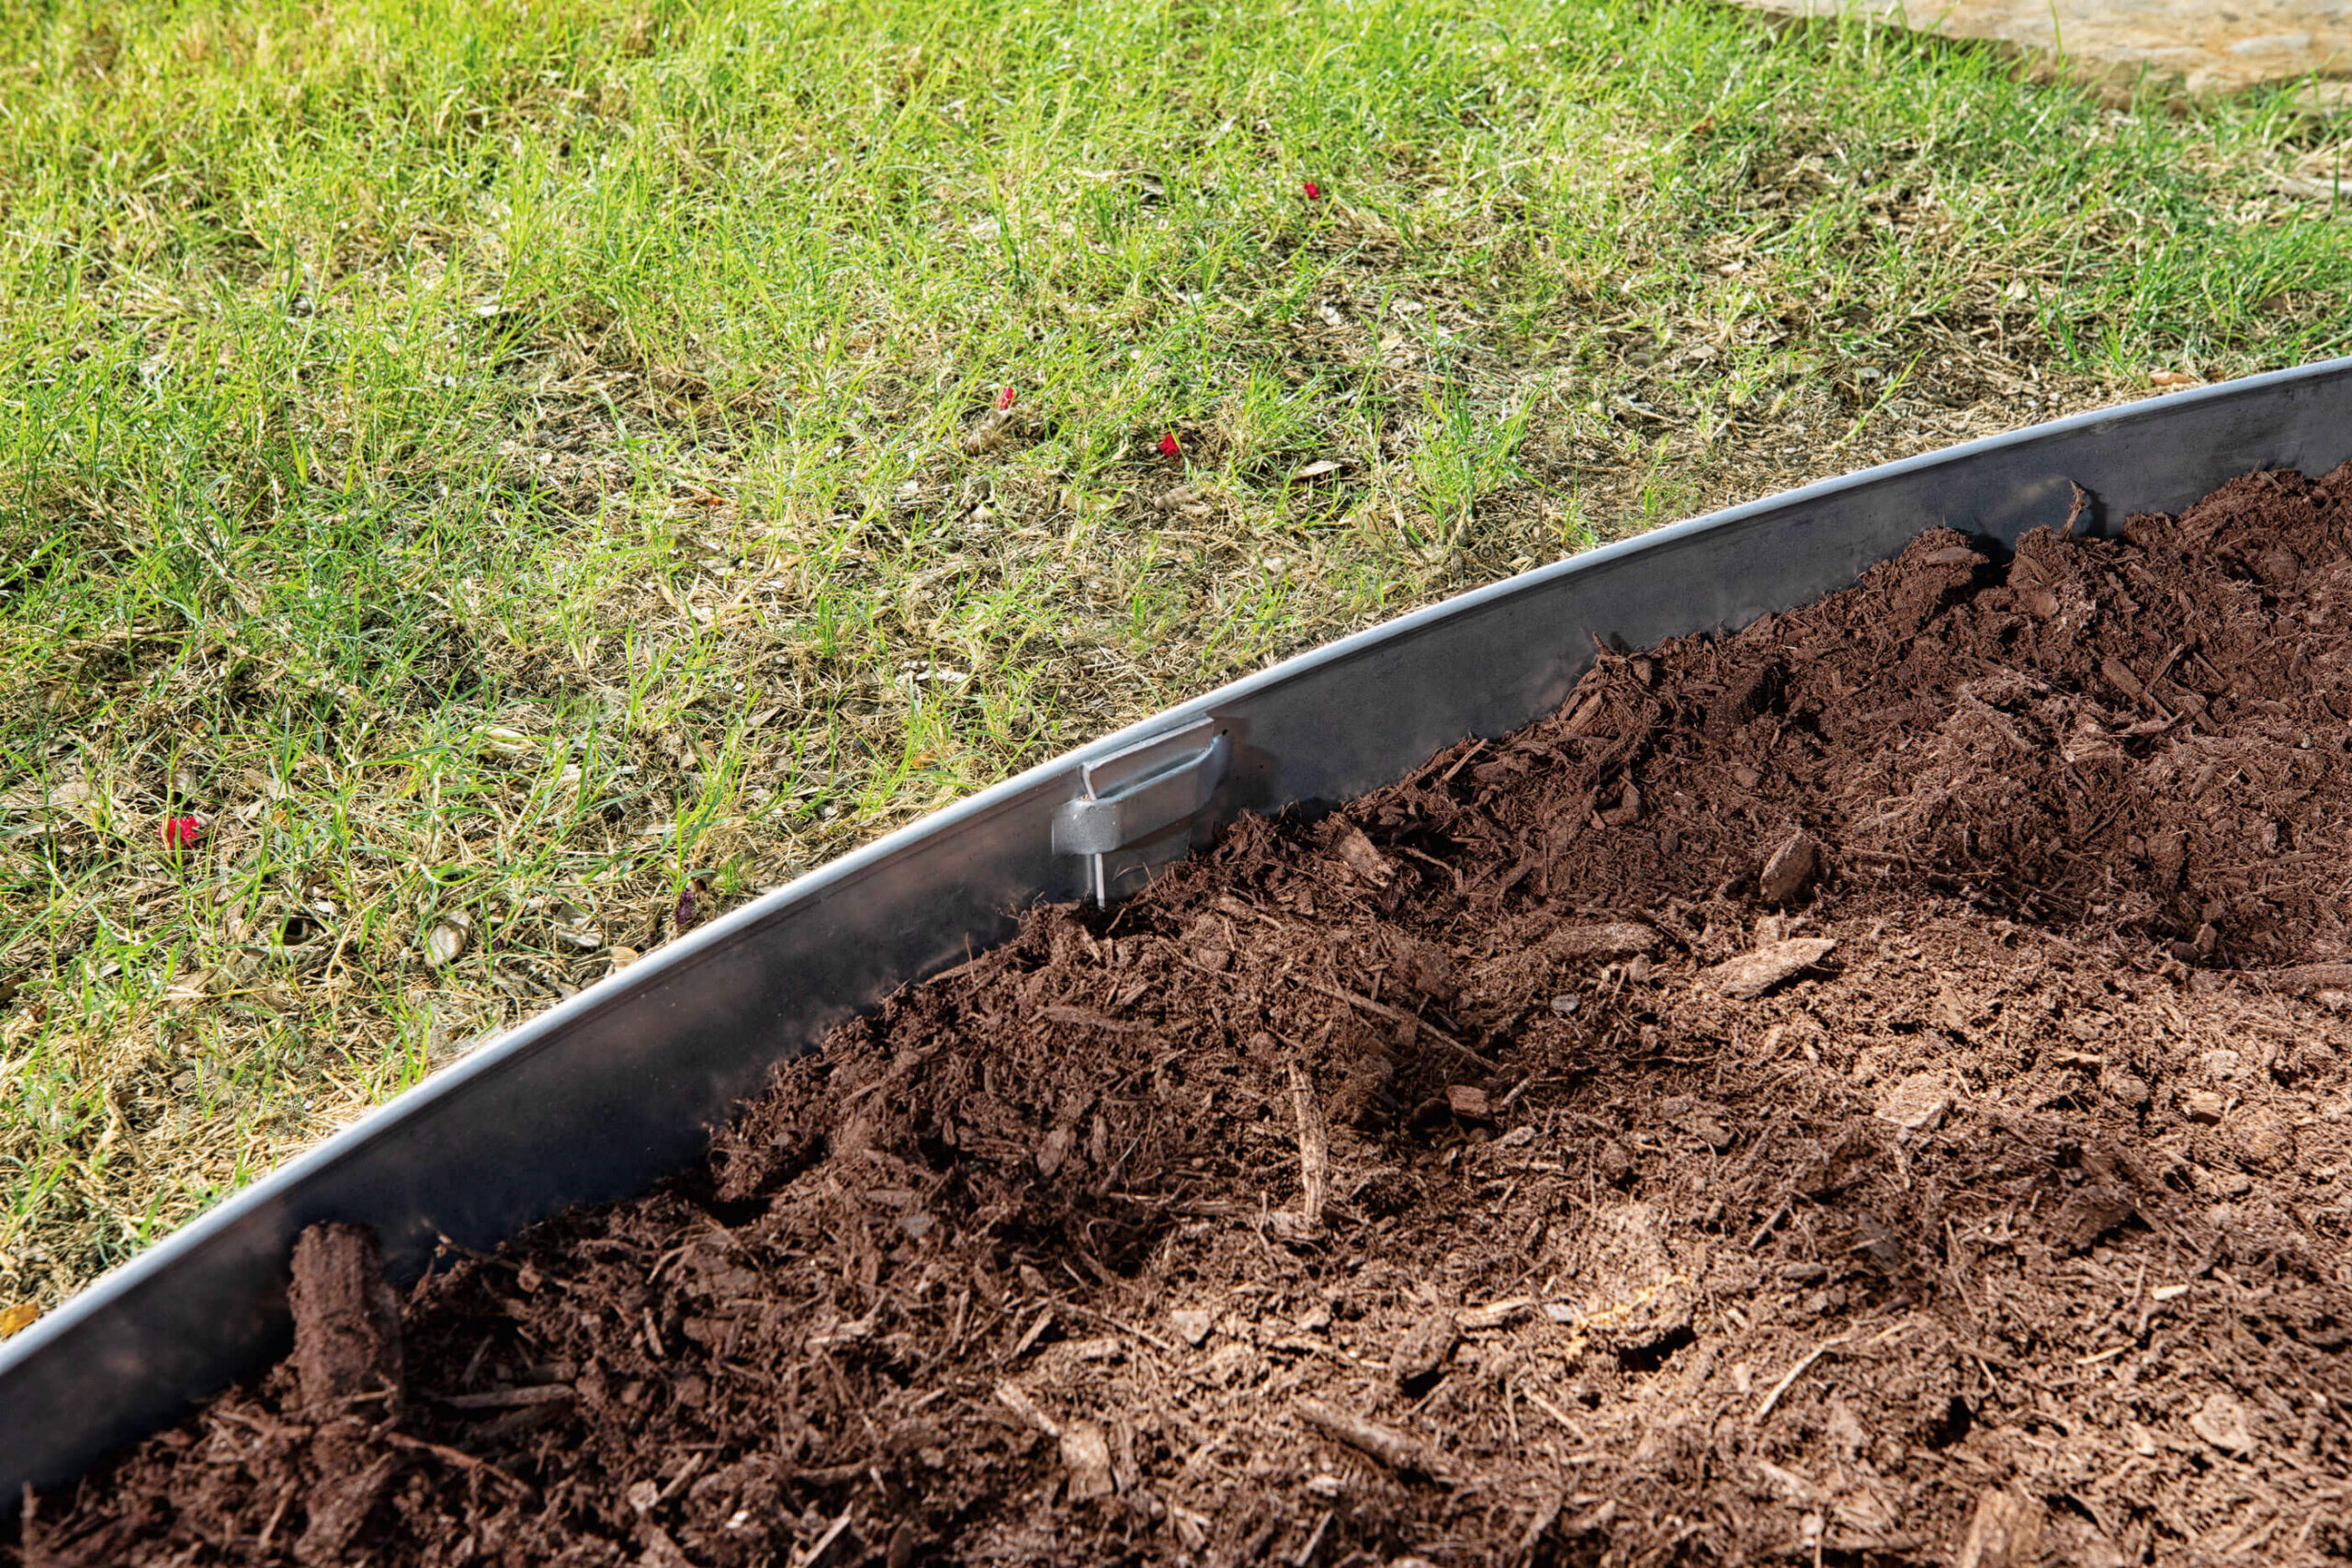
521 478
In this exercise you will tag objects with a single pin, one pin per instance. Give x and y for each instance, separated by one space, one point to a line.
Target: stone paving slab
2205 46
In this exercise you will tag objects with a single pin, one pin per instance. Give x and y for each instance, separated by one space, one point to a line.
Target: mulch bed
1865 1089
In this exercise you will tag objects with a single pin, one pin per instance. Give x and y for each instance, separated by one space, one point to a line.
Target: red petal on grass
1004 399
1311 190
181 832
690 912
1167 447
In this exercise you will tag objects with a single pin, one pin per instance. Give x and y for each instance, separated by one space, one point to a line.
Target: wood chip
1045 1320
1421 1355
1469 1102
1086 1453
1498 1315
837 1546
1054 1148
2221 1421
2005 1533
2091 1212
1013 1397
509 1398
2304 978
347 1321
2263 1140
1917 1103
1751 975
1789 1378
1791 869
1090 1019
1359 855
1617 939
460 1458
1400 1016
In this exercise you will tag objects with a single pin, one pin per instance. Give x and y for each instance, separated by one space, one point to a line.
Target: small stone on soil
2202 1106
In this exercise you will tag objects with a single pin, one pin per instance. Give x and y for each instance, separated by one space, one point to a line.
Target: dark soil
1869 1088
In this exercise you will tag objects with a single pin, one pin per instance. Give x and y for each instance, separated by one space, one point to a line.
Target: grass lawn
511 473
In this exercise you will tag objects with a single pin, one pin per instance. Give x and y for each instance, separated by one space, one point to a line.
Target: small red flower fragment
1167 447
690 912
1311 191
182 833
1004 399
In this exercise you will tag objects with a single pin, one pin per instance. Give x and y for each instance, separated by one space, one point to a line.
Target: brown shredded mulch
1865 1089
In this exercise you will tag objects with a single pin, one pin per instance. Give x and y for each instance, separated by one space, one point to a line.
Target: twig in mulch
1015 1398
1554 1412
1306 1555
1399 1452
1792 1375
822 1551
1154 1340
1454 872
1341 995
462 1460
1314 1161
2302 977
1537 1526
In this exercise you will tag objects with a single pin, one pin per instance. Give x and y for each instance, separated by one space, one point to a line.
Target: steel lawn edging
600 1095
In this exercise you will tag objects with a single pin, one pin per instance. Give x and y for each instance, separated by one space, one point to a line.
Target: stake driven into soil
1869 1087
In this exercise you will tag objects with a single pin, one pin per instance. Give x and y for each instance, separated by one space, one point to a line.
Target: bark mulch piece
1869 1088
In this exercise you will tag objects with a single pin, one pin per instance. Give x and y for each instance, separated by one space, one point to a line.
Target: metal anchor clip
1136 791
